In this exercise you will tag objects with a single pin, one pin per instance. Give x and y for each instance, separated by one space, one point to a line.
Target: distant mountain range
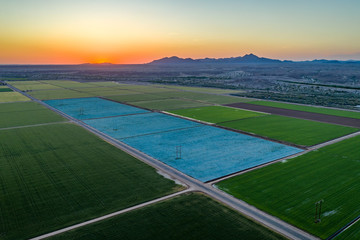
248 58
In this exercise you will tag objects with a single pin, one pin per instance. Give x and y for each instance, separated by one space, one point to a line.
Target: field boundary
214 181
188 118
126 103
98 219
171 130
307 105
129 114
320 145
237 130
16 102
312 148
34 125
343 229
262 137
317 117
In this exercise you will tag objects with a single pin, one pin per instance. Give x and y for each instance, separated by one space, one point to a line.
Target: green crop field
12 97
5 89
59 94
67 84
168 104
104 84
290 189
58 175
94 88
19 106
201 89
31 87
190 216
111 92
335 112
292 130
351 233
172 94
210 98
136 97
23 82
143 88
216 114
25 113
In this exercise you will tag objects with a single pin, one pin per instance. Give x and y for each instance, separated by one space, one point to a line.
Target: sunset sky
138 31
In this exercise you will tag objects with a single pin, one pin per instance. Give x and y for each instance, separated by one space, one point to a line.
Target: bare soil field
345 121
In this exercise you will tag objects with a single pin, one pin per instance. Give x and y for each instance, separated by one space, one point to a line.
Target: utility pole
178 152
318 205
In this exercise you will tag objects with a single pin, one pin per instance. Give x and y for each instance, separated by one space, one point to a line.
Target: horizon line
144 63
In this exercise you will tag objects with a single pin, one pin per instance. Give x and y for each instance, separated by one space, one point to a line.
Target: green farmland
190 216
112 92
292 130
216 114
94 88
335 112
290 189
210 98
54 174
19 106
104 84
5 89
200 89
351 233
24 81
12 97
36 86
59 94
25 113
136 97
58 175
143 88
67 84
168 104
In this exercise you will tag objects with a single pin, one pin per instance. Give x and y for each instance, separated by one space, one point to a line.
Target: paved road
344 121
271 222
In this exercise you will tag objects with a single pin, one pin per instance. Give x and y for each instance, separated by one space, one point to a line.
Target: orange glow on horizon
102 60
137 32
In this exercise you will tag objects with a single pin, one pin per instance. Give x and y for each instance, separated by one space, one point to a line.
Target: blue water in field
209 152
87 108
134 125
206 152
